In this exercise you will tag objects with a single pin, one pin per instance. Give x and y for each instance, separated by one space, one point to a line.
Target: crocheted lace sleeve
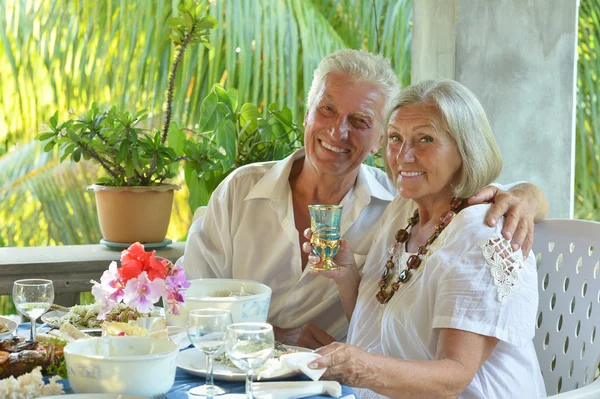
504 264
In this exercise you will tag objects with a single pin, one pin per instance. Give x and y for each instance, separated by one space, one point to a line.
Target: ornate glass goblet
325 225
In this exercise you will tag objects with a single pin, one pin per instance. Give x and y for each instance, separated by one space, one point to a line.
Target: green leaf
123 150
233 98
249 116
45 136
223 96
49 146
73 136
176 138
54 120
226 138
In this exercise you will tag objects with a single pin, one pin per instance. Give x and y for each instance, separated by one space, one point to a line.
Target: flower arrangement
140 282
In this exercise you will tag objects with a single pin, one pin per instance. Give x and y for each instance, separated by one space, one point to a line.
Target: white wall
519 58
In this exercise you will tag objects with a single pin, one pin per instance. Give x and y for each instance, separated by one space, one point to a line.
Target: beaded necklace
414 261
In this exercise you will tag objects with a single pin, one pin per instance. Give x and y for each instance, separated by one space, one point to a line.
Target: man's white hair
362 66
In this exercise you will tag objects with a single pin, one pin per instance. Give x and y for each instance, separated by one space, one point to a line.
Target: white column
520 58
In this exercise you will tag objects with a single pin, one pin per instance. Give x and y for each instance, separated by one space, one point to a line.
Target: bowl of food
125 365
7 328
247 300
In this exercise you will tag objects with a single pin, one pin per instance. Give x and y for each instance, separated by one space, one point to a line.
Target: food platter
51 317
193 361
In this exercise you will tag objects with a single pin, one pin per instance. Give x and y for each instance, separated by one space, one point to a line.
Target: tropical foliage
66 54
587 167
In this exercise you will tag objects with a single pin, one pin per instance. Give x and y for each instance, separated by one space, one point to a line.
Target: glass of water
249 346
206 329
33 298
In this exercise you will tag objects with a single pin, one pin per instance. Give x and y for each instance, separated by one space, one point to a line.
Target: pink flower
109 291
141 293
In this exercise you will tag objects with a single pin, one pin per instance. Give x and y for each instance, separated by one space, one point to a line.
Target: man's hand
518 206
306 336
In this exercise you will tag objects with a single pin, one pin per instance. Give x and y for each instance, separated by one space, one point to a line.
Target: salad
86 316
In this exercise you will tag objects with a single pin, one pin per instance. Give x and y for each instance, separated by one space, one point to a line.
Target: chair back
568 262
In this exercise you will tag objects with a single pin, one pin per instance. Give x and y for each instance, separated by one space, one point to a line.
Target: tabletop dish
193 361
92 396
9 327
84 317
129 365
251 306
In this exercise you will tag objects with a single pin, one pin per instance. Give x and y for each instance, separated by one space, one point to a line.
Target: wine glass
249 346
325 225
206 329
33 298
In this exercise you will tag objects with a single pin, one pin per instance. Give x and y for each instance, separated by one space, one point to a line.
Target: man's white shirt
248 232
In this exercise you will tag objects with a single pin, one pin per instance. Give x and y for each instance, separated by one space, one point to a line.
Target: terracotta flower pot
134 214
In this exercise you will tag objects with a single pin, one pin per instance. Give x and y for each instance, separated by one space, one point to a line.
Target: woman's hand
344 259
348 364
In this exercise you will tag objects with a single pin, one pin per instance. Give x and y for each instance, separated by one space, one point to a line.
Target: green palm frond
587 167
58 55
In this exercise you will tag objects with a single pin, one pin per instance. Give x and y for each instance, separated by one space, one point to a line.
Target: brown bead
386 273
395 286
422 250
439 228
432 239
382 297
389 264
413 262
402 235
447 217
403 276
382 283
457 204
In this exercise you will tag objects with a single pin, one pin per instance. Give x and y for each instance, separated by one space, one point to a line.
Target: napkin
300 360
295 389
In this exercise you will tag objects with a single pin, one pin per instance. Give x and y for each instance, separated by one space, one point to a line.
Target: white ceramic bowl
127 365
11 325
250 308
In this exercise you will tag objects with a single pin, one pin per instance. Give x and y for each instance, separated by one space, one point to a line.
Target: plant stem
172 80
98 158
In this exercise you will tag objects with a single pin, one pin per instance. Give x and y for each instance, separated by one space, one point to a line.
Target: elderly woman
445 308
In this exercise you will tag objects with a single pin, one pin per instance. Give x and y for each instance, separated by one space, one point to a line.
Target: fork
160 396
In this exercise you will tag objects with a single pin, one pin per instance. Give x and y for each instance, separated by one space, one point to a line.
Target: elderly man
254 223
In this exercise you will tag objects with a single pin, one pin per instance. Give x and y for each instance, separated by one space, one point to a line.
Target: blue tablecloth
185 381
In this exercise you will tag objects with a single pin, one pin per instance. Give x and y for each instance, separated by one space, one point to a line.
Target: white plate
12 326
92 396
193 361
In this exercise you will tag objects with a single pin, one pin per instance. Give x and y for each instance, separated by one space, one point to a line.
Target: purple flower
109 291
142 293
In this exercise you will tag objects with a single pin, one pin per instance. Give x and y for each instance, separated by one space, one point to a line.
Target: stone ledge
70 267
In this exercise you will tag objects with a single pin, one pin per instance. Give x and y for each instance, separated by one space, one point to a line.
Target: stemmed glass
249 346
325 223
33 298
206 329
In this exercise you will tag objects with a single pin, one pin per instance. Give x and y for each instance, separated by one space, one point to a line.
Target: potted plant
133 201
230 136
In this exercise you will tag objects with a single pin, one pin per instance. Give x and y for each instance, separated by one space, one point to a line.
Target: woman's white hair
467 123
363 67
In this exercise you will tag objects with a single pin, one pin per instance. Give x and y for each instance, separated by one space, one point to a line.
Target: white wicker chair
568 260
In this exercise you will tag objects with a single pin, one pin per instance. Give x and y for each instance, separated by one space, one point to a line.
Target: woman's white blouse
463 283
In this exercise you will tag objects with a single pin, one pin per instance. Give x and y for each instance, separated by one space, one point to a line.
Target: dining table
185 381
